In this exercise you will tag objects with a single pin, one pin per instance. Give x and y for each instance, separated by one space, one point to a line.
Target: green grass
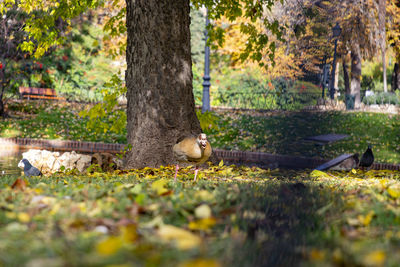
233 216
274 132
283 133
52 120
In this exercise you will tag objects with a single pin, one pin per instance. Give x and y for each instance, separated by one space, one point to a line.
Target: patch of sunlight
8 148
390 156
9 133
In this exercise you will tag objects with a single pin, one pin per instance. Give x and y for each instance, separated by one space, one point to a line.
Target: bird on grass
29 170
195 150
367 158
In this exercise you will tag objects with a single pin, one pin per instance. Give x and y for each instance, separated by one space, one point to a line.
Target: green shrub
382 98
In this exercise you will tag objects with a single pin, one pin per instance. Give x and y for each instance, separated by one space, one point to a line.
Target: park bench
39 93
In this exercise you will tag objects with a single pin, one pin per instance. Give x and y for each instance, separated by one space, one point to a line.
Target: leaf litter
233 216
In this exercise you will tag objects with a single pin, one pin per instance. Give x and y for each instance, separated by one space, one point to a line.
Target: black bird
29 170
367 158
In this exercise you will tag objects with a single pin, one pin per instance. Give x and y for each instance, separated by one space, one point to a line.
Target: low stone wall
59 145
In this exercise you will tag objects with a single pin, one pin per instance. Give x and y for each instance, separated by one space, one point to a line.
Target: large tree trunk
346 76
356 74
159 80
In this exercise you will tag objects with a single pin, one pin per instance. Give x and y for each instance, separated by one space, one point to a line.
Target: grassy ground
284 133
51 120
233 216
274 132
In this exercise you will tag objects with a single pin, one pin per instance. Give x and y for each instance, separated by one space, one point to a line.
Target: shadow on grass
281 221
284 133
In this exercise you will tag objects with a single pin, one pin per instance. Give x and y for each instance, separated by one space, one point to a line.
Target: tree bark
161 106
336 83
396 77
382 30
356 74
2 111
2 88
346 77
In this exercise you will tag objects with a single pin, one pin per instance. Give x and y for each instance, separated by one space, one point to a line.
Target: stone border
60 145
264 160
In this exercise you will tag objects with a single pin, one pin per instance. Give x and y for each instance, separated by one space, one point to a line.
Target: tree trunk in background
346 77
159 80
396 77
336 83
382 30
2 111
2 89
355 86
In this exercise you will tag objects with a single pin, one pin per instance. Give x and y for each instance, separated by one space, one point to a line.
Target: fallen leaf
19 184
317 255
184 239
109 246
203 211
202 224
318 174
159 186
200 263
394 191
24 217
129 233
375 258
204 195
366 220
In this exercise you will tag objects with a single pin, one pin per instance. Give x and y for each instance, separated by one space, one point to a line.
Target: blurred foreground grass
233 216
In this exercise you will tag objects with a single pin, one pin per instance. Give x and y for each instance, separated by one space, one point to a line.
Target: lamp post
206 77
336 33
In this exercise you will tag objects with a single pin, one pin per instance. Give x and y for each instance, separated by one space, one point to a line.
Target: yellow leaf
375 258
203 211
183 238
317 255
318 174
200 263
159 186
202 224
109 246
55 208
11 215
128 233
221 163
204 195
24 217
366 220
38 190
394 191
354 171
353 221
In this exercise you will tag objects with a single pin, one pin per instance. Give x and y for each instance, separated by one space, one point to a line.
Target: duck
194 150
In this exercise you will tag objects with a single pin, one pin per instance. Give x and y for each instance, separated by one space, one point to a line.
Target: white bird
195 150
